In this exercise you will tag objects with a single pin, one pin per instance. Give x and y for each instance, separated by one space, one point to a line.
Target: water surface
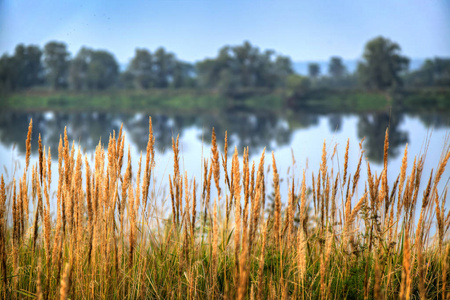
293 136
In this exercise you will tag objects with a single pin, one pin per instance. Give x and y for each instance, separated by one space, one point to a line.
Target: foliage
336 68
93 70
313 70
244 66
433 73
382 64
57 61
23 69
236 72
297 86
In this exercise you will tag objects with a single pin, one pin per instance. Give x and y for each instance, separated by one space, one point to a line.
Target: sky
193 30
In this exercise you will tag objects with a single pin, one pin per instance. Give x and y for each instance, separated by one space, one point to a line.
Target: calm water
299 134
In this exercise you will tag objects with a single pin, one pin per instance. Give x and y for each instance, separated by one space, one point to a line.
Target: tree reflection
373 127
244 129
335 122
435 120
255 130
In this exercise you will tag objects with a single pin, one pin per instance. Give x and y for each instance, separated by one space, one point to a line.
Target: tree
313 70
297 86
183 75
78 70
56 59
93 70
27 66
141 68
8 74
242 67
373 128
103 70
433 72
209 70
283 69
336 68
163 65
382 64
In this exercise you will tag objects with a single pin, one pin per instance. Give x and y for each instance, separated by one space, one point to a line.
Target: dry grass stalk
215 242
445 292
39 294
301 256
257 195
377 279
225 161
277 201
28 144
324 261
149 162
358 170
245 183
405 285
132 216
302 215
194 208
65 283
3 235
289 219
215 162
242 286
261 263
237 212
344 178
172 197
439 219
41 160
386 148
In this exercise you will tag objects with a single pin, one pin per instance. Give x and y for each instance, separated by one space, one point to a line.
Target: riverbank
196 100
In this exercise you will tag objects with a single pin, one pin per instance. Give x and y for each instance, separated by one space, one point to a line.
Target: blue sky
303 30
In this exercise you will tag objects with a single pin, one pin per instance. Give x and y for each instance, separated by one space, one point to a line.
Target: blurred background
280 75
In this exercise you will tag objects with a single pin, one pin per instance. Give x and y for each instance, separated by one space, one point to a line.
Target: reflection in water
373 127
244 129
335 122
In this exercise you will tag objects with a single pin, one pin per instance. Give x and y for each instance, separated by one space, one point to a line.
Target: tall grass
108 239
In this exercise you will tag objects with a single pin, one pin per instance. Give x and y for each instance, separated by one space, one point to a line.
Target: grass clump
109 239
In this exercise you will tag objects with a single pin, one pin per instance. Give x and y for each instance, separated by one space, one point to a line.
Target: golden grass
103 235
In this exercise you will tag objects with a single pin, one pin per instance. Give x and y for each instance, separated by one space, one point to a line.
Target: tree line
235 68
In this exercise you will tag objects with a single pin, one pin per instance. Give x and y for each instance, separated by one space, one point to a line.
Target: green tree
433 72
209 70
336 68
382 64
297 86
245 63
27 65
313 70
283 69
103 70
164 63
78 70
56 59
183 75
93 70
141 68
8 74
242 67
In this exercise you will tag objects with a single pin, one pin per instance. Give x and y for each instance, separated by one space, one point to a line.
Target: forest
235 70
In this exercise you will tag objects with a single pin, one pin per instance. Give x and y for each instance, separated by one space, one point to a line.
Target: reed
105 233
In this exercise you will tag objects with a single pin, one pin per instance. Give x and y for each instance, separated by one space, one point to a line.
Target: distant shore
199 100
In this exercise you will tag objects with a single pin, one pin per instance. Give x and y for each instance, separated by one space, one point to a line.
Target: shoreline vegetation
200 100
103 235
